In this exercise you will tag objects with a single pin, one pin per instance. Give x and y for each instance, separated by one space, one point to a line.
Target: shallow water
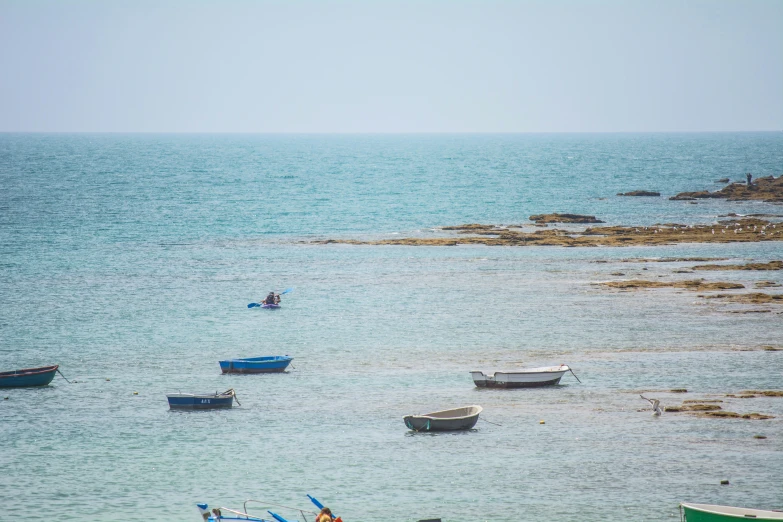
132 258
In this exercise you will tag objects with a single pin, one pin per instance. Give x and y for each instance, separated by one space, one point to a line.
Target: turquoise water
132 258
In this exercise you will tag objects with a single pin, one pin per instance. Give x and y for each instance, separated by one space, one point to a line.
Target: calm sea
130 260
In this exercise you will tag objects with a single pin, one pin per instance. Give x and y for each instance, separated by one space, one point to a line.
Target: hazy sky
391 66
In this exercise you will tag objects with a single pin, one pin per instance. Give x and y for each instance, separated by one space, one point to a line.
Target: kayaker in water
272 298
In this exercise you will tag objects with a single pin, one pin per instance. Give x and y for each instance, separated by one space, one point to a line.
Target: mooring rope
63 376
495 423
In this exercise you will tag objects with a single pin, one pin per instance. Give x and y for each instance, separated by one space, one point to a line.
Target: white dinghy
446 420
524 378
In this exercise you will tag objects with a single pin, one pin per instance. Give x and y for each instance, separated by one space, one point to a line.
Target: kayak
270 306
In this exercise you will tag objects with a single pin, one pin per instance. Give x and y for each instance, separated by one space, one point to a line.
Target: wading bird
656 405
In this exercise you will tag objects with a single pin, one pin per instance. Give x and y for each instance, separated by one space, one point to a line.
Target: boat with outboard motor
523 378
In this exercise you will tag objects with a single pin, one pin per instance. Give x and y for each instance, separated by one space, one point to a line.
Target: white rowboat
524 378
446 420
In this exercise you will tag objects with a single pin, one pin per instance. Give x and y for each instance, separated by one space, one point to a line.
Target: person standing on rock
750 177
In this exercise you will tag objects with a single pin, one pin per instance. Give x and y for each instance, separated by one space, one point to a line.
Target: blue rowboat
28 377
190 401
267 364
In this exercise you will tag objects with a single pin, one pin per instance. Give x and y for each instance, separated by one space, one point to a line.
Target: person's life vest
270 299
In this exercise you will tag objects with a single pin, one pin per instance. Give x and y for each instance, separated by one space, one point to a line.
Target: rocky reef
563 218
709 408
691 407
749 298
733 415
772 265
769 189
668 259
749 394
698 285
745 230
640 193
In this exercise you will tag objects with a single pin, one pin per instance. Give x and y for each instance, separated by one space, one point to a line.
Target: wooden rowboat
712 513
446 420
28 377
524 378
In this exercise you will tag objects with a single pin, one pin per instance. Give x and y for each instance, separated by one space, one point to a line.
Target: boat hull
270 306
186 401
712 513
517 379
460 419
275 364
28 377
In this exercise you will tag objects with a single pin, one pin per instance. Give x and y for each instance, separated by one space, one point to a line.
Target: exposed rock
765 393
772 349
733 415
694 401
473 227
639 193
698 285
749 298
759 436
767 284
692 407
617 274
564 218
679 390
772 265
762 189
723 180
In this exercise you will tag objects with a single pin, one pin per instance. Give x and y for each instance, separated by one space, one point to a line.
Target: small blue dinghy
190 401
266 364
28 377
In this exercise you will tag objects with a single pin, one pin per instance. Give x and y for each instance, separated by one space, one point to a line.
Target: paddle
286 291
277 517
319 505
